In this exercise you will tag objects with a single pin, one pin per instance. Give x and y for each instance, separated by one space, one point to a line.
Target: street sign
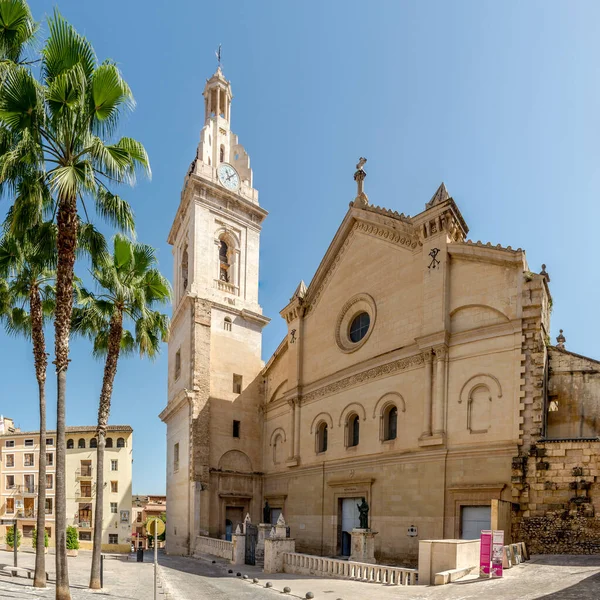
158 524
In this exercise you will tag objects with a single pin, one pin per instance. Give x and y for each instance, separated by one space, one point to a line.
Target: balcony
25 513
26 490
83 524
225 286
83 473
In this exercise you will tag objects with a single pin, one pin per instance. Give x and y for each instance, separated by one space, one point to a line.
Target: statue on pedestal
267 513
363 509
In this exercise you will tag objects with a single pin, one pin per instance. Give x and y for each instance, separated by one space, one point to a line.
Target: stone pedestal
239 548
363 546
274 550
264 530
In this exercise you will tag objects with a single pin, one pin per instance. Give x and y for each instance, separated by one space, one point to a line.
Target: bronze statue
267 513
363 509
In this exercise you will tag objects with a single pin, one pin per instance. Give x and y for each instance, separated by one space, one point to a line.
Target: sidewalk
123 579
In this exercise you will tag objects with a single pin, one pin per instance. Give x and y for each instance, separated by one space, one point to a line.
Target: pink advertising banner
485 553
497 545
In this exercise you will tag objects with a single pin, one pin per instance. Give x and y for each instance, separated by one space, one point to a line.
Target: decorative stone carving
355 305
342 384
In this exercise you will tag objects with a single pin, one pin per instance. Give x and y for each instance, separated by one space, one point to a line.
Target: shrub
46 540
72 538
10 536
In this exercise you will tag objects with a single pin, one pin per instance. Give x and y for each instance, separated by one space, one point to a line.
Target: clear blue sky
500 100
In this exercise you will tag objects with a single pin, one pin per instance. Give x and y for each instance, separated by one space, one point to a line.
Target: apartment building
19 456
143 508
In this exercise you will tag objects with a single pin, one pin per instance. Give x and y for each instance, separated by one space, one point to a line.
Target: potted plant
10 538
46 540
72 541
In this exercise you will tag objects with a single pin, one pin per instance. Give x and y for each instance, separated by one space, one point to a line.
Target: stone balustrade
214 547
306 564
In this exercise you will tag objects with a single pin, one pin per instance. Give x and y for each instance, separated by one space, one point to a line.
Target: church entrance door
233 516
350 520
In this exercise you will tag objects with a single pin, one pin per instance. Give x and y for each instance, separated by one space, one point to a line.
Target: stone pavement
543 578
557 577
123 579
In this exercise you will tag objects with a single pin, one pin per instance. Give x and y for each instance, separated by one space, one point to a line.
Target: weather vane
218 55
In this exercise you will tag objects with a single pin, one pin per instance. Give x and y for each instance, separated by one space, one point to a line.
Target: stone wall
573 396
561 511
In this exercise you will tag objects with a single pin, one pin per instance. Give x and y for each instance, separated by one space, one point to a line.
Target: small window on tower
184 268
177 364
237 384
227 324
222 154
223 250
236 429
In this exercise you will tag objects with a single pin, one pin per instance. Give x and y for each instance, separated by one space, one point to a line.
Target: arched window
93 443
479 409
81 443
184 268
322 431
70 444
109 443
223 250
353 430
390 423
222 154
227 324
120 443
277 443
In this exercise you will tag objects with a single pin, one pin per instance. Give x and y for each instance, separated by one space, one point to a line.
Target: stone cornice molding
174 405
487 253
390 368
380 231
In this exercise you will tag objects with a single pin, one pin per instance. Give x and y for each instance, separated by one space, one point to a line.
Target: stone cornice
486 253
384 370
174 405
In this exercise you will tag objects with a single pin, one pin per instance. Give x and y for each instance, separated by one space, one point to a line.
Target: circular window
355 322
359 327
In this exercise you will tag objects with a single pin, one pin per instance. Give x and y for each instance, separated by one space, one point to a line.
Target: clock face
228 176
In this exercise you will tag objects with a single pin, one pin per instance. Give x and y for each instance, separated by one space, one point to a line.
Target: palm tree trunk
66 246
110 370
41 363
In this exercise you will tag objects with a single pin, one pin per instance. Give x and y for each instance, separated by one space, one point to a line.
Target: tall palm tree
26 270
61 124
129 288
17 31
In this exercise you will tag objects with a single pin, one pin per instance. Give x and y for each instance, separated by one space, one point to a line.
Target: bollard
140 555
101 570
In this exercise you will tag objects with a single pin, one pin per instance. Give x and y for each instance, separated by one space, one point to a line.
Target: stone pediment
387 226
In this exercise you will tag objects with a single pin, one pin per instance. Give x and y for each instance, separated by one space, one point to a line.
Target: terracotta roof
75 429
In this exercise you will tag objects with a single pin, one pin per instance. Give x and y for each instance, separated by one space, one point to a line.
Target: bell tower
216 328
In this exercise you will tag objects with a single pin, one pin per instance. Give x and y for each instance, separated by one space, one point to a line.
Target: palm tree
60 124
17 31
130 287
26 270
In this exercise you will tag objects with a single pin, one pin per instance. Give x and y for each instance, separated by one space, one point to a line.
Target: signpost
155 527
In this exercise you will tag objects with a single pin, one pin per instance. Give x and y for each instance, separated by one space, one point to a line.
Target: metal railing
83 472
306 564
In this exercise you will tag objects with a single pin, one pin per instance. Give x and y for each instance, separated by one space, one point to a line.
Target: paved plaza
543 578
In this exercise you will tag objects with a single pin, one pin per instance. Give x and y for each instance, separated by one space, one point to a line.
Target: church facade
416 373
